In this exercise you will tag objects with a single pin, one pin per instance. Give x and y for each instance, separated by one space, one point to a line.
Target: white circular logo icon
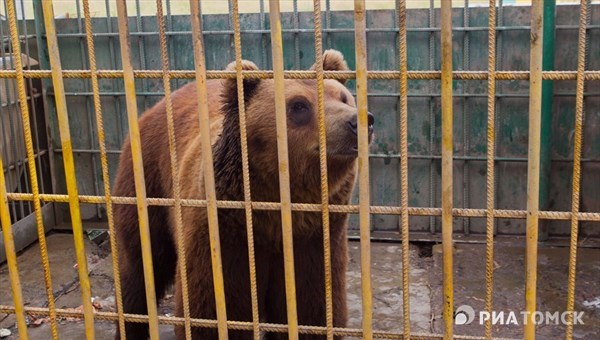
464 315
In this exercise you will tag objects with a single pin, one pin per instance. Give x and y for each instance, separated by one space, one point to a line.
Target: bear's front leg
310 285
236 277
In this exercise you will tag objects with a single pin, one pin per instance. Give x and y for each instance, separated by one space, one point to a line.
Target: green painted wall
470 104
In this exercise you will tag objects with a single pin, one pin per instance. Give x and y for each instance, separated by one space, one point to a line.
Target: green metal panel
470 103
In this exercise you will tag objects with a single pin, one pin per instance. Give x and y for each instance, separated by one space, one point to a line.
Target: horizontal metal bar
237 325
14 102
379 155
416 237
325 30
276 206
20 162
371 94
379 75
476 158
5 40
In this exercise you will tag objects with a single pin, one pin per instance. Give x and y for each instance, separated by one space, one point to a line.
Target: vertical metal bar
328 22
114 84
466 121
587 42
142 49
323 168
231 34
284 169
11 258
404 166
104 165
296 22
446 80
33 106
10 126
13 126
547 98
69 164
88 111
432 163
498 106
533 163
360 38
263 38
490 179
581 57
170 41
14 36
209 176
138 168
5 154
181 255
245 169
44 64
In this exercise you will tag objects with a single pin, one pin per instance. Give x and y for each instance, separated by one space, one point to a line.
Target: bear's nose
353 123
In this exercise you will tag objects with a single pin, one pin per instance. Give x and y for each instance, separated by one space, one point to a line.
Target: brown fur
305 188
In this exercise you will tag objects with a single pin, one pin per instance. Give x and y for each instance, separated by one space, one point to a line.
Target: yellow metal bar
293 74
491 138
11 258
360 37
208 170
448 309
578 140
533 164
69 164
245 169
35 193
345 208
284 169
104 164
403 107
138 168
181 256
323 168
238 325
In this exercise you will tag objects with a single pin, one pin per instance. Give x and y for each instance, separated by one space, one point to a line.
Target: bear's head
302 112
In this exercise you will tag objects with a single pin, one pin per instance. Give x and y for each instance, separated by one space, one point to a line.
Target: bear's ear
333 61
229 93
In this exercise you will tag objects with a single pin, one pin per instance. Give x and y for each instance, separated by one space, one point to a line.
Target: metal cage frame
532 213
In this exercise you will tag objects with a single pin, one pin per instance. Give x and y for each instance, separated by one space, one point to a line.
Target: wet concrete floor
425 288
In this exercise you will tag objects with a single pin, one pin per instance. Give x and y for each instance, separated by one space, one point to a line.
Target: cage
478 196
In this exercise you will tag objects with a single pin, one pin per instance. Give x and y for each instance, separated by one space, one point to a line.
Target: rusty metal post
447 152
69 166
323 169
237 41
490 179
284 169
403 107
533 163
138 168
11 258
35 193
578 141
208 171
360 37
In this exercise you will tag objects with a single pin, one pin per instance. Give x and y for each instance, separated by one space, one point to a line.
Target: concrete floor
425 287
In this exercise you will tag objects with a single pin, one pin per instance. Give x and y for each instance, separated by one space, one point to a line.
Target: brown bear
303 141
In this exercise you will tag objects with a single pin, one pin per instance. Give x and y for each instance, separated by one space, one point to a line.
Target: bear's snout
353 124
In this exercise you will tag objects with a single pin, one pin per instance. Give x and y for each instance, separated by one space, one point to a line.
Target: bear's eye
299 111
344 98
300 107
